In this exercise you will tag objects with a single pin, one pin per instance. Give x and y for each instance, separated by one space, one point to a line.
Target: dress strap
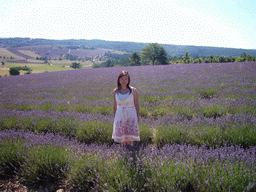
132 88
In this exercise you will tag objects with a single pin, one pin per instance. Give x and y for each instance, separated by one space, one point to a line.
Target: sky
216 23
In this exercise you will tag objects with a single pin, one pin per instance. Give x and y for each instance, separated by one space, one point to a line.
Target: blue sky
218 23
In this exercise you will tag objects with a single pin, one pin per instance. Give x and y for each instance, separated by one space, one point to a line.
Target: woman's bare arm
115 104
136 102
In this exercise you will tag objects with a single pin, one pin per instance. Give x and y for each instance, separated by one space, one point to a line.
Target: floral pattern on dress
128 127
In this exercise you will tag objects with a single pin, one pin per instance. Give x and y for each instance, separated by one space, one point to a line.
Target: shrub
11 157
28 72
14 71
45 165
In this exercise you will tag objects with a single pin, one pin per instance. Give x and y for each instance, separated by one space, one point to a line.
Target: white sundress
126 121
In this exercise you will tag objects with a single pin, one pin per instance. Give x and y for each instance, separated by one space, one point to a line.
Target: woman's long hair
121 74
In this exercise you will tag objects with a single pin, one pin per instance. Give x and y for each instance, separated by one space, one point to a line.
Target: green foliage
41 58
154 53
135 59
11 157
50 165
112 63
221 59
116 56
46 165
162 57
108 63
71 57
187 59
214 111
207 93
83 172
14 71
212 135
76 65
28 72
96 65
93 131
25 68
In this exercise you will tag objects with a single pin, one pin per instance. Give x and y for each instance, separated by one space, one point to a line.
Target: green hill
173 50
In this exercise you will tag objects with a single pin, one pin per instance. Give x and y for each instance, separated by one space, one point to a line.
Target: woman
126 111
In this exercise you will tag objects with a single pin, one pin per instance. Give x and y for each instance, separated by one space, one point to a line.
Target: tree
197 60
14 71
187 58
135 58
109 63
249 58
243 54
75 65
239 59
211 58
162 56
152 53
221 59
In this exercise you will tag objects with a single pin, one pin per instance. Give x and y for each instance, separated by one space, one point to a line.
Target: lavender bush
48 158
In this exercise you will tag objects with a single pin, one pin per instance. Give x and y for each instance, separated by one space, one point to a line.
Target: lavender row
169 129
154 108
154 100
81 117
41 159
210 90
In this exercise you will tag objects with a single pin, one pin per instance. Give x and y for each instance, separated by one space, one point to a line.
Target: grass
41 68
36 68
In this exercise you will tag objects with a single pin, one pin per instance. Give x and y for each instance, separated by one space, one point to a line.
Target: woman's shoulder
115 90
133 89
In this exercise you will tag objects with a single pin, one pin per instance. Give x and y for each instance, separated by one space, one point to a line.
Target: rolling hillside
49 51
96 47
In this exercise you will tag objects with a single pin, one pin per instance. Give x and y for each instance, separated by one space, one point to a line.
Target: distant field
29 53
26 56
50 51
42 68
85 64
6 53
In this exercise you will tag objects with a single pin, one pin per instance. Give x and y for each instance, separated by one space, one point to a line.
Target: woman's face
124 80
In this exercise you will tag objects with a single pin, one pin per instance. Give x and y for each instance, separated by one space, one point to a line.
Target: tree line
155 54
211 59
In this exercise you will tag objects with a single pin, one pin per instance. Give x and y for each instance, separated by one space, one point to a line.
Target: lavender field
197 129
